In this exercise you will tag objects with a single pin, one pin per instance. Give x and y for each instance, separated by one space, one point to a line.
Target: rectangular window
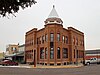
51 37
65 53
58 36
58 53
46 53
41 53
51 53
63 39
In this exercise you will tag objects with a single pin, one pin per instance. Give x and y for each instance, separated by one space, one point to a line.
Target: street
85 70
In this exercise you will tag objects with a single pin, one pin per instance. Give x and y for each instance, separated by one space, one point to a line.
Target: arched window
58 53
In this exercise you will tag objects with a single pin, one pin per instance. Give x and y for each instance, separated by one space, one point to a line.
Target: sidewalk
45 66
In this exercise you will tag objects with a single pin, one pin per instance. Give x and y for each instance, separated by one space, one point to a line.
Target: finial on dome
53 6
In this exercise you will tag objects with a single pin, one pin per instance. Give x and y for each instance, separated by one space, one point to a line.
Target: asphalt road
86 70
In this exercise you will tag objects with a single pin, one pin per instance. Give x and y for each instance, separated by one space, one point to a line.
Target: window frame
51 37
58 53
58 36
51 54
65 53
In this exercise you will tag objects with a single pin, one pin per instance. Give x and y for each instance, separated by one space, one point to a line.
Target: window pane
51 53
51 37
65 53
63 39
41 53
58 37
46 53
58 53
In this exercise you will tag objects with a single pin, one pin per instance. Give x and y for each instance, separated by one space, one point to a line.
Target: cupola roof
53 13
53 18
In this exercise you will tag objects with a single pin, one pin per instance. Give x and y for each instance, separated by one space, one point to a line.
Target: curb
70 66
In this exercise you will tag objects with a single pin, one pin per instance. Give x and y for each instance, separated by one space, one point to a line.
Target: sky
83 15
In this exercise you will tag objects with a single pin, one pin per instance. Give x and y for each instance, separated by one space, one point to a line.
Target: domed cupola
53 18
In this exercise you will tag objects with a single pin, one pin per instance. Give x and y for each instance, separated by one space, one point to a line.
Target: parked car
8 62
92 61
3 60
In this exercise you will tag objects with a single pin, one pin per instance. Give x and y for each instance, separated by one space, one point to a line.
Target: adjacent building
21 48
92 54
11 49
15 52
54 44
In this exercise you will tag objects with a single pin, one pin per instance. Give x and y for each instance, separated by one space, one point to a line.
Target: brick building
53 44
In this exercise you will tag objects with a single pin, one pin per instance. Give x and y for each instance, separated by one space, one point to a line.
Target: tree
12 6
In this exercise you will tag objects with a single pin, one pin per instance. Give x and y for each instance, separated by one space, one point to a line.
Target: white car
92 61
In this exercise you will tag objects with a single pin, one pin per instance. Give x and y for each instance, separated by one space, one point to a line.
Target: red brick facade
54 44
